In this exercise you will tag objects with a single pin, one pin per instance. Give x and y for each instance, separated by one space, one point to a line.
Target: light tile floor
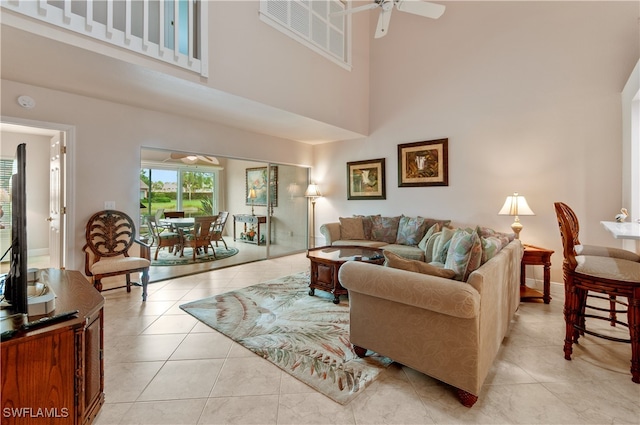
162 366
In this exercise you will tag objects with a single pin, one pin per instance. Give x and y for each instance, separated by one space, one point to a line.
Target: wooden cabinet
55 374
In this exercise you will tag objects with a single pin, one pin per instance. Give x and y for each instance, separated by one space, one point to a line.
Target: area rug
166 258
306 336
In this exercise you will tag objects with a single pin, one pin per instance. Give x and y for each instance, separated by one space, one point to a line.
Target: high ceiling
36 60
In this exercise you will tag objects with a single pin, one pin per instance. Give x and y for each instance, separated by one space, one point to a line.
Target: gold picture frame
423 163
366 179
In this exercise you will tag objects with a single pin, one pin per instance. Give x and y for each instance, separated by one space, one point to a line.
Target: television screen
15 289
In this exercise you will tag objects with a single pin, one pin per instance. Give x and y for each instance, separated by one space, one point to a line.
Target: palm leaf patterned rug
306 336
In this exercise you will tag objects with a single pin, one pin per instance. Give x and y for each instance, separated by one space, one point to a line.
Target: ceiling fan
416 7
192 159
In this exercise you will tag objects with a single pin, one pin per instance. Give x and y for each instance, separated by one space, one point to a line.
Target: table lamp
252 196
313 193
516 205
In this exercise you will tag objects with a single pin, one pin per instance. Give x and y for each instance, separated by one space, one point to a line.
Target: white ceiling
32 59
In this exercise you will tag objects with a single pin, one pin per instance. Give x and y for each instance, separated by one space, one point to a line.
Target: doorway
46 186
265 201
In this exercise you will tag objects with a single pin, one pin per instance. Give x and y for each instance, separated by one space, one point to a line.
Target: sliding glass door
288 210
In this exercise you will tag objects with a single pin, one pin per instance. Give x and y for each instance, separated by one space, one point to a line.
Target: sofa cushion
384 229
465 253
397 262
433 229
367 224
360 242
406 251
438 245
490 247
351 228
411 230
505 238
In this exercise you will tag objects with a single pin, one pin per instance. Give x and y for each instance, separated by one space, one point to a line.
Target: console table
56 370
536 256
249 219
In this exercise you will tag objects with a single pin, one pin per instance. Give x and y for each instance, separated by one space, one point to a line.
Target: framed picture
423 163
256 186
365 179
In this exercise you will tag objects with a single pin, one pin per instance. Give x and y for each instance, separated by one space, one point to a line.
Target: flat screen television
15 286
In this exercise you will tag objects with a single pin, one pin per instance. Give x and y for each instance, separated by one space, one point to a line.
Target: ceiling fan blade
383 23
355 9
210 159
177 155
422 8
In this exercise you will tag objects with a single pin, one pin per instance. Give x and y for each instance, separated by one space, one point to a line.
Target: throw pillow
465 254
351 228
441 248
504 238
397 262
385 229
431 221
490 247
367 223
433 229
411 230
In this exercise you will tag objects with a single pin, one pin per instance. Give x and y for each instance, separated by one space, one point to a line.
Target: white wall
108 139
37 186
528 94
251 59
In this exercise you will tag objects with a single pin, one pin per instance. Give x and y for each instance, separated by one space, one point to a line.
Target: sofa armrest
445 296
331 232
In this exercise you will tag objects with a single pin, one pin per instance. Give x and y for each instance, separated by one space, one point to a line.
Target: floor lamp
313 192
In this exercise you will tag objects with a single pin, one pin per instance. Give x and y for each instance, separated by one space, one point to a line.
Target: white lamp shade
516 205
313 191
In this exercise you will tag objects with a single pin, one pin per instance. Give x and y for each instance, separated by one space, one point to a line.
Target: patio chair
218 228
110 235
199 236
163 239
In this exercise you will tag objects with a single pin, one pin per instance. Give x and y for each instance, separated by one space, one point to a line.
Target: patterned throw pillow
367 223
441 248
351 228
465 254
490 247
432 230
385 229
411 230
397 262
486 232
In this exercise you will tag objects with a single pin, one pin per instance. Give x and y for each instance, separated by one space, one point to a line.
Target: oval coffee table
326 261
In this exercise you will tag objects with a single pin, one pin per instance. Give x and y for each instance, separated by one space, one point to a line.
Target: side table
536 256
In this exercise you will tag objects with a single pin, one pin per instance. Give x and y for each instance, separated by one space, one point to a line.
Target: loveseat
405 236
450 329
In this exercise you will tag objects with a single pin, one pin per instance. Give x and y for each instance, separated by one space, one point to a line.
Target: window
179 189
310 23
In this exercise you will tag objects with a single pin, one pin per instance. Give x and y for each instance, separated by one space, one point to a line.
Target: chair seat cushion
608 268
119 264
605 251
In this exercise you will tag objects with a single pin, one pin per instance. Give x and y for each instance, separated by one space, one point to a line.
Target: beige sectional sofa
401 234
448 329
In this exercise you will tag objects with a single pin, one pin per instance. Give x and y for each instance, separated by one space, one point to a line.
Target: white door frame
68 181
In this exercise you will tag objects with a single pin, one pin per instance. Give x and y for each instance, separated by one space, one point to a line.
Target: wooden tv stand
55 374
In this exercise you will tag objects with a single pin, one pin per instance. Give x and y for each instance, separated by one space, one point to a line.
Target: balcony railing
173 31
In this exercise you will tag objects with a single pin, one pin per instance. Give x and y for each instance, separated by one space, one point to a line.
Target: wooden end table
326 262
536 256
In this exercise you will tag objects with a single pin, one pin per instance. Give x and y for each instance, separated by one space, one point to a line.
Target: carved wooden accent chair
199 236
585 274
218 228
110 235
162 239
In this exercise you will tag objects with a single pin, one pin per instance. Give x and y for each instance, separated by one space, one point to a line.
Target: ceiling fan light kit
415 7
